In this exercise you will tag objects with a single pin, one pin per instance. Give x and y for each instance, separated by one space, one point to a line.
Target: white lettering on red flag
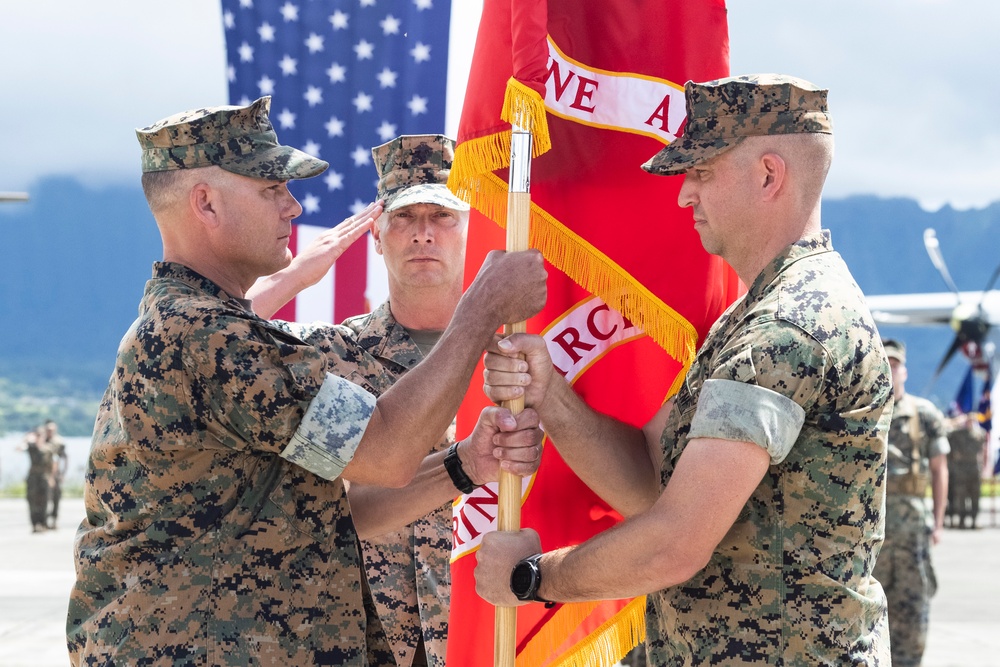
576 340
615 100
584 334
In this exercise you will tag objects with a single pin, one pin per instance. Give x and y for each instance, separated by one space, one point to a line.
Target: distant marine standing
965 470
916 461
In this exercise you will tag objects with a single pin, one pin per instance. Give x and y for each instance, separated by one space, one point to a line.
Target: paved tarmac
36 575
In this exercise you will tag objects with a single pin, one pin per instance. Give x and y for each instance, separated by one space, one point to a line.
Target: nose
294 207
423 231
686 195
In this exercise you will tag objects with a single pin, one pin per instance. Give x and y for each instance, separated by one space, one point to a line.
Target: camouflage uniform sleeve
259 392
732 410
766 379
332 428
937 432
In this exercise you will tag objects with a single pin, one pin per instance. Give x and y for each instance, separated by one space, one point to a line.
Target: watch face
521 580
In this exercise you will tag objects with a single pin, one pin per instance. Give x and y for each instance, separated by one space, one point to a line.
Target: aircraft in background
971 315
13 196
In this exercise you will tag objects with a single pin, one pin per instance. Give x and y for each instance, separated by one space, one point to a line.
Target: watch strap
532 562
453 465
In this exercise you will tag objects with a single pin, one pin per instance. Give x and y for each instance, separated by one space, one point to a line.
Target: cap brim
682 154
425 193
280 163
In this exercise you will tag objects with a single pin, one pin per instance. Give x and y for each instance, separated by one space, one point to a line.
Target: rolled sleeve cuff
332 428
731 410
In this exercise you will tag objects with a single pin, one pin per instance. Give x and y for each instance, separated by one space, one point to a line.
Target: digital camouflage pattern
721 113
910 512
408 570
904 567
413 169
791 583
202 544
965 471
238 139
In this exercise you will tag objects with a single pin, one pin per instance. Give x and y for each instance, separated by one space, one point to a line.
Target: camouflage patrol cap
238 139
895 349
721 113
413 169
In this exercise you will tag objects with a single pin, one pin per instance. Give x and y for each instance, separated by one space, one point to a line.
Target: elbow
397 476
676 567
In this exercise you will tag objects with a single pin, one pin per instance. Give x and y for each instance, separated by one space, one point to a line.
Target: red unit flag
631 290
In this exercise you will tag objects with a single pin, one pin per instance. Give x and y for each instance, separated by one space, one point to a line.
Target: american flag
344 76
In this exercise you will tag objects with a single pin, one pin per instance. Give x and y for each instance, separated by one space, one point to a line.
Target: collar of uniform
181 273
386 338
813 244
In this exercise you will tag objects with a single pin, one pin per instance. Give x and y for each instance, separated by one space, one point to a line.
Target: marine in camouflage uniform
904 566
409 569
965 470
39 479
237 542
791 583
59 464
787 404
218 529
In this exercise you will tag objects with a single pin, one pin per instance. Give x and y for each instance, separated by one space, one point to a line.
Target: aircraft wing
931 308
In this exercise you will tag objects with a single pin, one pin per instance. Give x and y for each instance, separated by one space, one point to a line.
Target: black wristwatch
525 580
453 465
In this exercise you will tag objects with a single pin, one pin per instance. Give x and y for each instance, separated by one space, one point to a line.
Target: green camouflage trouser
38 498
904 569
963 496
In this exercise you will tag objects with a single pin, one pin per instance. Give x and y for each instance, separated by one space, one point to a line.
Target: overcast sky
914 85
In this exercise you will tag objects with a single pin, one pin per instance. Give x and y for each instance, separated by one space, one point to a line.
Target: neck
749 266
231 284
427 309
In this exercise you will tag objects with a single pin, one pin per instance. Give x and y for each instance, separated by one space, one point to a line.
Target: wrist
456 471
526 580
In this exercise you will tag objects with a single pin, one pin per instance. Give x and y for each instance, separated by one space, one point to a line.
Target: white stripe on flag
465 15
314 304
377 287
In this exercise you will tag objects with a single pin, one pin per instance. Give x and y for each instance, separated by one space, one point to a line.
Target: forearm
939 489
272 292
377 510
675 539
611 457
645 557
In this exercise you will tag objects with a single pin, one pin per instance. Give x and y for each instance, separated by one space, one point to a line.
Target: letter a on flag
631 290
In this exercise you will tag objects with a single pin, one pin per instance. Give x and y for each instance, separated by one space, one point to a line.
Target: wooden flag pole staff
509 501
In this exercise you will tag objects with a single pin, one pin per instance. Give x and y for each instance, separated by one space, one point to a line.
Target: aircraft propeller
970 323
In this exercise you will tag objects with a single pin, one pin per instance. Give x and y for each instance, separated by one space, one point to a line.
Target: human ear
773 167
202 201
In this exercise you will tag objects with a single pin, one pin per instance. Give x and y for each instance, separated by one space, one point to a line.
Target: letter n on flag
631 291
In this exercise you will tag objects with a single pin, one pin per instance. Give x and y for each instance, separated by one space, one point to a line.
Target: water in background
14 464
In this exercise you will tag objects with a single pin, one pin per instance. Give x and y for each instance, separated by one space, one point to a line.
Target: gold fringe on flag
472 180
525 108
588 267
606 645
482 155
